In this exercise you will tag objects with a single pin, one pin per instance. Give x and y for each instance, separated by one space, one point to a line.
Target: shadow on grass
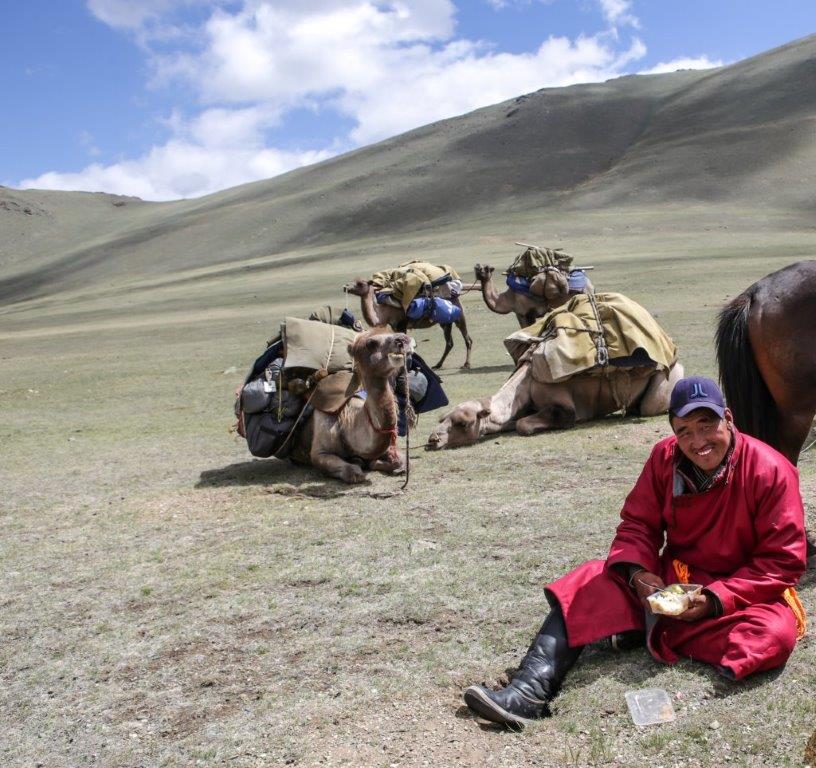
483 369
280 476
580 427
808 578
464 713
636 669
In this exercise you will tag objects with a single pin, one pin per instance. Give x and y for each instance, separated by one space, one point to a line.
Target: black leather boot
627 641
536 682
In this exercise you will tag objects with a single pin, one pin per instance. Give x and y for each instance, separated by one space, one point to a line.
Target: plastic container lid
650 706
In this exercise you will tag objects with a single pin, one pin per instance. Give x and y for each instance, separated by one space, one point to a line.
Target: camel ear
485 411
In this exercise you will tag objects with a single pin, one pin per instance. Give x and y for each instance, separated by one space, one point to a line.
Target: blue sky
179 98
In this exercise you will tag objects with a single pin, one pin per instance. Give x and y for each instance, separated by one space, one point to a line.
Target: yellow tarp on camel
564 340
407 280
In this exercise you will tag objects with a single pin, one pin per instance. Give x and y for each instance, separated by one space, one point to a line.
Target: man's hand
646 583
701 606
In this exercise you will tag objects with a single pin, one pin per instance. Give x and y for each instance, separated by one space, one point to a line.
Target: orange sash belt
790 596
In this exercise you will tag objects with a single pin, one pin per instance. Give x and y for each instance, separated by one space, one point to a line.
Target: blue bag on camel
424 390
437 309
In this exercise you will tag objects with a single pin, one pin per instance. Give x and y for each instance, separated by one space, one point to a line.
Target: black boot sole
483 705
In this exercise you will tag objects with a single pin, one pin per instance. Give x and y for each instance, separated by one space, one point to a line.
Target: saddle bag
269 414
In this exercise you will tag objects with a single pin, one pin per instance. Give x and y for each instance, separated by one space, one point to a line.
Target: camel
548 290
531 406
362 431
377 315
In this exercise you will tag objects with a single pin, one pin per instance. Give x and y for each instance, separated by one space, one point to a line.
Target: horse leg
794 428
655 399
461 324
447 329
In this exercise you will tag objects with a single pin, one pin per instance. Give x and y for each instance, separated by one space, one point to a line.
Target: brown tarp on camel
564 339
315 345
407 280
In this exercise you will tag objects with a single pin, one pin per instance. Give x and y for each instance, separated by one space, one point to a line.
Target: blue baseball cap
695 392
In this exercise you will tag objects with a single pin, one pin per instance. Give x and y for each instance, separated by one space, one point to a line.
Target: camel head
359 286
380 355
483 272
460 426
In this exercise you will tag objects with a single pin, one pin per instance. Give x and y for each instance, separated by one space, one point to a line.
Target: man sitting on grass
713 507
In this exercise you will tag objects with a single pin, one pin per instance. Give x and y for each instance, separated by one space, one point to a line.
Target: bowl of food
674 599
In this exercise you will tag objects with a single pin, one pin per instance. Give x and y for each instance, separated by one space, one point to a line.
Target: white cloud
700 62
381 65
134 14
619 13
460 79
387 65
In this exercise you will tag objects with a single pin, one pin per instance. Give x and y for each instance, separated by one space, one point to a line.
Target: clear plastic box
650 706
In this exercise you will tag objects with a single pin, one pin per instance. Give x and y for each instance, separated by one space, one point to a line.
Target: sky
168 99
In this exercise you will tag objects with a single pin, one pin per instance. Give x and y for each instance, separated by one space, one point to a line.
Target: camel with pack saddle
530 406
362 435
548 290
593 356
379 315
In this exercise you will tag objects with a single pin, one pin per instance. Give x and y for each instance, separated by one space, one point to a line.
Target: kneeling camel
363 433
531 406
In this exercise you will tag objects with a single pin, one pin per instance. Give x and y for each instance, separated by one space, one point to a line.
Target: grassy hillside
730 139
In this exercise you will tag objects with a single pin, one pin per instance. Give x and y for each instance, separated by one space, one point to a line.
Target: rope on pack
313 392
410 417
602 351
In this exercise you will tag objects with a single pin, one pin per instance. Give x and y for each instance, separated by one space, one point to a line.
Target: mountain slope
740 135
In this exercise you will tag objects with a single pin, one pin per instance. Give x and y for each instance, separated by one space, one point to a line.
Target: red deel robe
744 540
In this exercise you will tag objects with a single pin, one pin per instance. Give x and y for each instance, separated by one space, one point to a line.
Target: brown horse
767 359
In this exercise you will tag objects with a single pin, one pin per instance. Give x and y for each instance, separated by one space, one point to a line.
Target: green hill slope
738 137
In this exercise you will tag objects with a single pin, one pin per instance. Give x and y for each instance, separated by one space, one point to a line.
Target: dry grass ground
168 601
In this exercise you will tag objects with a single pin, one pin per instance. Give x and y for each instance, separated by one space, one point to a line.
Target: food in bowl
674 599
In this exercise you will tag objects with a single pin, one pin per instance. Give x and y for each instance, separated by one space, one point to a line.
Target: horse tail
745 390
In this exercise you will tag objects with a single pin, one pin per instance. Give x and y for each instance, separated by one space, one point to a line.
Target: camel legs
447 329
554 416
323 452
656 398
331 464
461 324
392 462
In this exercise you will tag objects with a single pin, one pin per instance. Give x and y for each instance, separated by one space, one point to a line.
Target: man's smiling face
703 437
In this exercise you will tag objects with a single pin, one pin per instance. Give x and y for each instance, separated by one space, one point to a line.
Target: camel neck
380 405
370 313
508 402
